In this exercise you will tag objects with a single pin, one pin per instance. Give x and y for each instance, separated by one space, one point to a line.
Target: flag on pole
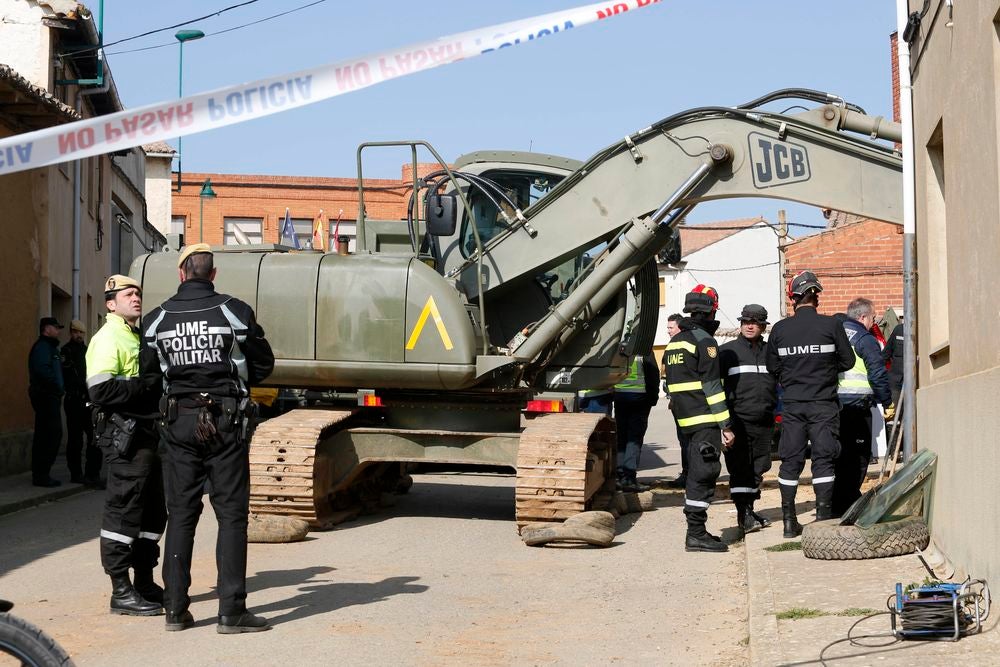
319 232
288 231
336 231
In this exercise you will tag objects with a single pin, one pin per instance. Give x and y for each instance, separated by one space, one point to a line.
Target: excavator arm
635 192
809 158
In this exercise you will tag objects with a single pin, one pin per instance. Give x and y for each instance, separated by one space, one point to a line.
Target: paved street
442 577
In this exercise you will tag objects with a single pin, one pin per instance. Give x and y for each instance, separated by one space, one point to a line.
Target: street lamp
206 193
183 36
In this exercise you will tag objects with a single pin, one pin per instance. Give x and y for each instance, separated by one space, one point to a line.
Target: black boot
763 521
824 501
181 620
126 600
146 587
704 542
749 524
792 526
245 622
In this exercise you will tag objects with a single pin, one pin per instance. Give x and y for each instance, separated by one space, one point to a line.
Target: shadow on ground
315 596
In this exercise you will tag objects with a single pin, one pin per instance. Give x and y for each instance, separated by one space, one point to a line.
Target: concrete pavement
801 610
442 579
18 493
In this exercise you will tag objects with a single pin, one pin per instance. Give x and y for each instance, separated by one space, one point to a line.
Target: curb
765 647
41 499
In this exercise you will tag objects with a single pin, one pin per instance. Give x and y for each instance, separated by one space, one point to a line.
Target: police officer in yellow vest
125 408
859 388
635 396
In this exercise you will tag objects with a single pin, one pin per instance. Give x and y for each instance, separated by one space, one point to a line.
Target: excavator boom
809 158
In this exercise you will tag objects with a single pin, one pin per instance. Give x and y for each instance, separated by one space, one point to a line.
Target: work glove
889 412
204 430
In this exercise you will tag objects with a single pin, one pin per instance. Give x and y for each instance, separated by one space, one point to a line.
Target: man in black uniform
45 389
207 349
893 352
805 353
79 427
691 361
751 395
134 511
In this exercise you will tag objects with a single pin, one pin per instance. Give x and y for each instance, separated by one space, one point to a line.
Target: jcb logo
776 162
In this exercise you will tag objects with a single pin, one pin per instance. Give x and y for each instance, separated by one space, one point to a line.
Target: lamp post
206 193
183 36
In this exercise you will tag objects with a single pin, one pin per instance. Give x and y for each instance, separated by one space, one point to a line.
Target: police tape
237 104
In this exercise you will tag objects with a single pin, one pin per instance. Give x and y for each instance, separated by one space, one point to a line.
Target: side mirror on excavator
440 214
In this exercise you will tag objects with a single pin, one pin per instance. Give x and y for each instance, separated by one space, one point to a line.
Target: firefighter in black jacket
207 350
691 361
751 395
805 353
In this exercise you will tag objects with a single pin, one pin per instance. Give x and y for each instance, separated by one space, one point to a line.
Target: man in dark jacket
79 426
751 394
208 350
691 361
805 353
635 396
45 389
860 387
893 352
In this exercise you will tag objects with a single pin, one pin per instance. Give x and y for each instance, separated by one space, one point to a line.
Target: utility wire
164 29
706 228
220 32
737 268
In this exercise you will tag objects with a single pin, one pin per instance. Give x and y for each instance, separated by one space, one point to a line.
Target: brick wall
266 197
894 60
860 259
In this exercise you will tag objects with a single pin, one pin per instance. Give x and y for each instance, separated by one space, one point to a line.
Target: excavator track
562 461
287 477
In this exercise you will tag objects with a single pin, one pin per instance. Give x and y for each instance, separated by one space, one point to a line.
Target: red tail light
545 406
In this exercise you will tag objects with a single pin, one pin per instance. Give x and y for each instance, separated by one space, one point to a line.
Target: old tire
274 529
594 519
827 540
29 644
598 537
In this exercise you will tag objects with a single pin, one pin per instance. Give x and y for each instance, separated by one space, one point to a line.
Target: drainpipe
104 85
909 238
77 213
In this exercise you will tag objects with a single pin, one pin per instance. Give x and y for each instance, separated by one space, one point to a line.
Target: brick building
256 205
854 257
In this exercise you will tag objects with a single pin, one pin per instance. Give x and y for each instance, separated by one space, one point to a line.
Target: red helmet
701 299
802 283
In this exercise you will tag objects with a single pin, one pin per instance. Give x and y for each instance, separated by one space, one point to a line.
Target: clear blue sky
569 94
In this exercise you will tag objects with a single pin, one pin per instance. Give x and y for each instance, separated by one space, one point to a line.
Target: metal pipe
180 95
909 393
77 173
608 276
875 126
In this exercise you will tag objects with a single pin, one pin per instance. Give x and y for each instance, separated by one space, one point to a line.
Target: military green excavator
523 278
